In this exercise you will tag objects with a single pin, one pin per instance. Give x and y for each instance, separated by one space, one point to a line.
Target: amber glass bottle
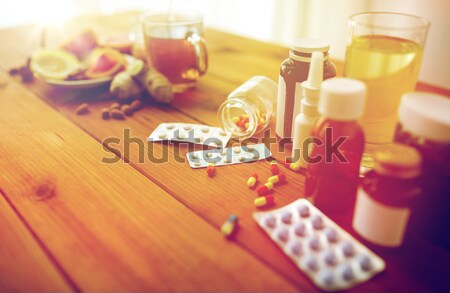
293 71
333 166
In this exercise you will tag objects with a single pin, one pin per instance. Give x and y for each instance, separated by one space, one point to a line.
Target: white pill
162 135
311 263
209 155
347 272
303 210
170 126
205 129
327 277
317 222
300 229
286 217
331 234
197 164
365 263
237 149
194 156
348 249
330 258
222 133
314 242
187 127
296 248
283 235
271 221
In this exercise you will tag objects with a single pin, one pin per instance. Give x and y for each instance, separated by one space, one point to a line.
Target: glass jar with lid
249 109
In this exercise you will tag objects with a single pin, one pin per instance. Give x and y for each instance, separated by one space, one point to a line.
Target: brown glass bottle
293 71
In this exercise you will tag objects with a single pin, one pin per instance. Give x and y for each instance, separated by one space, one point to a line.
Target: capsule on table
211 169
293 166
229 226
263 190
263 201
251 182
274 167
280 178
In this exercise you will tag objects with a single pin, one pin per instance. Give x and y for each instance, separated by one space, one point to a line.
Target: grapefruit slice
105 62
53 63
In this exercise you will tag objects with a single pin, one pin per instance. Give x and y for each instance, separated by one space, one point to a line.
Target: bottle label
279 129
379 223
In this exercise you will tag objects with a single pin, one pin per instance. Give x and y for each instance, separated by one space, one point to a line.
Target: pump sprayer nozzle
315 75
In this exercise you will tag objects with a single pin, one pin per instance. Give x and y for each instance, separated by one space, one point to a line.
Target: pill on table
271 221
314 242
251 182
263 201
136 105
117 114
347 272
331 234
274 167
286 217
317 222
280 178
114 105
126 109
283 235
303 210
330 257
365 263
211 169
105 113
311 263
229 226
296 248
327 277
82 109
300 229
293 166
262 190
348 249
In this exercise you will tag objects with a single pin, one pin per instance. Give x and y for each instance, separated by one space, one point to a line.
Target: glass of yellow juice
385 52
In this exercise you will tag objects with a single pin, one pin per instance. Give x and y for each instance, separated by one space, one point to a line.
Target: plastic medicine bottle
387 196
333 167
293 71
249 108
424 123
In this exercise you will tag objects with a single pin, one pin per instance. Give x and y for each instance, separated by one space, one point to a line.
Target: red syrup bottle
333 166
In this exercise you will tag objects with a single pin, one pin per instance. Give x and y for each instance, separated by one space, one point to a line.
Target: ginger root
123 86
139 76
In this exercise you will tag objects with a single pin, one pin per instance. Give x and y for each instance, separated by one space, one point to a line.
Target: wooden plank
226 193
21 257
109 227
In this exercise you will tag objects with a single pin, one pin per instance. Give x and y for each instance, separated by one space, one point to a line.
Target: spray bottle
305 121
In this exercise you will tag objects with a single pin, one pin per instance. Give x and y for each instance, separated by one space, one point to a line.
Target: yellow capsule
247 125
229 226
294 167
263 201
235 119
269 185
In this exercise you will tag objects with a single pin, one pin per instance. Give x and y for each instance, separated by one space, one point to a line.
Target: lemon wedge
54 63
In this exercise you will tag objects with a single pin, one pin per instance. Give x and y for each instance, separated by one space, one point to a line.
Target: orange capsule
211 169
277 179
274 167
263 190
263 201
251 182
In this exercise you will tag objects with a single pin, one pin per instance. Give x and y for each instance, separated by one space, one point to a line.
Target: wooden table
72 223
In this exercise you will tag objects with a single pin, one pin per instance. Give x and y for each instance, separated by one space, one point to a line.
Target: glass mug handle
201 55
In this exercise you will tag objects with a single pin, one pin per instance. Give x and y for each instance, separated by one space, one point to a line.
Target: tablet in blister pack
331 257
192 133
228 156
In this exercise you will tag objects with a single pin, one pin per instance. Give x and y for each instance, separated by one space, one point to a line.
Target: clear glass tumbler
175 46
385 52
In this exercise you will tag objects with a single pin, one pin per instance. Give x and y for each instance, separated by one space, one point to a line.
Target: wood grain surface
109 207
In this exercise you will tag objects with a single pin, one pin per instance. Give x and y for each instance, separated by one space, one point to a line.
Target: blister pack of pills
192 133
331 257
228 156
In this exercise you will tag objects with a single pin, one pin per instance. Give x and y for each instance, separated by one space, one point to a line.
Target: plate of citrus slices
79 63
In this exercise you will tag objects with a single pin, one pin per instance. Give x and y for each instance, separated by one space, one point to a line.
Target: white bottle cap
426 115
342 99
310 45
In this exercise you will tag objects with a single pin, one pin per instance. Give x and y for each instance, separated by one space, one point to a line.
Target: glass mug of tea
175 47
385 52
